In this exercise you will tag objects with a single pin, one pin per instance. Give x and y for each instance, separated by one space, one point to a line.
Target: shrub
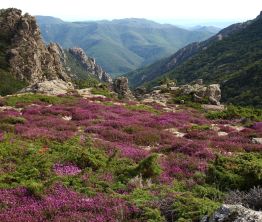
190 208
237 112
147 168
147 137
242 172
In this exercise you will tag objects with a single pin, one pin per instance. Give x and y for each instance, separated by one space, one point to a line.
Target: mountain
26 60
120 45
211 29
233 58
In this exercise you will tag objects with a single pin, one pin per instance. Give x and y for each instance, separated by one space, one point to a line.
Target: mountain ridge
221 58
121 45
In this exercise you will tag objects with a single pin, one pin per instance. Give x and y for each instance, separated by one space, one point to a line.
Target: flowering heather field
67 158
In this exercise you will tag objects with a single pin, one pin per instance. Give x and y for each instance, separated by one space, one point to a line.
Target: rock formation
50 87
234 213
89 65
210 94
30 61
201 92
29 58
120 86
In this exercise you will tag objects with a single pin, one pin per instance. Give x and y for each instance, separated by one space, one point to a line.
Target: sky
164 11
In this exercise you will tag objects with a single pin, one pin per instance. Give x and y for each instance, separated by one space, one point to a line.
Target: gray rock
139 92
201 92
30 60
257 140
234 213
90 65
52 87
120 86
214 94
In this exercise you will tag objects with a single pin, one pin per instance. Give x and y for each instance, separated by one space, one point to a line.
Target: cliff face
89 65
25 57
28 57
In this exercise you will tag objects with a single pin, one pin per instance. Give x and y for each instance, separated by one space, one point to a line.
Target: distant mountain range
121 45
210 29
233 57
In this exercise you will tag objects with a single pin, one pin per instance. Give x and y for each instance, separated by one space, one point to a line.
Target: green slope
235 62
120 45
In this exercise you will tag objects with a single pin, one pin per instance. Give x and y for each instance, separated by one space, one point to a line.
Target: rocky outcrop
42 67
89 64
234 213
209 94
200 92
120 86
50 87
30 60
257 140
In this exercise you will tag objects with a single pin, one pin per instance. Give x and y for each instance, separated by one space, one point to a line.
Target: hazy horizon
187 13
186 23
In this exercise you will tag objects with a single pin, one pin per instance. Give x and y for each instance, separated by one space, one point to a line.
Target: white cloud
152 9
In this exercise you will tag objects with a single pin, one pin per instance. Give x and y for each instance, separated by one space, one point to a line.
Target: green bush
190 208
82 156
206 191
148 168
34 188
237 112
153 215
242 172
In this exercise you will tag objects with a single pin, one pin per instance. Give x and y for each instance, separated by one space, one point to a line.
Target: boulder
200 92
214 94
234 213
120 86
52 87
139 92
257 140
89 64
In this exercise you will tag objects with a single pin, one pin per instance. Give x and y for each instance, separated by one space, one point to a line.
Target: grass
142 107
102 91
237 112
33 98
